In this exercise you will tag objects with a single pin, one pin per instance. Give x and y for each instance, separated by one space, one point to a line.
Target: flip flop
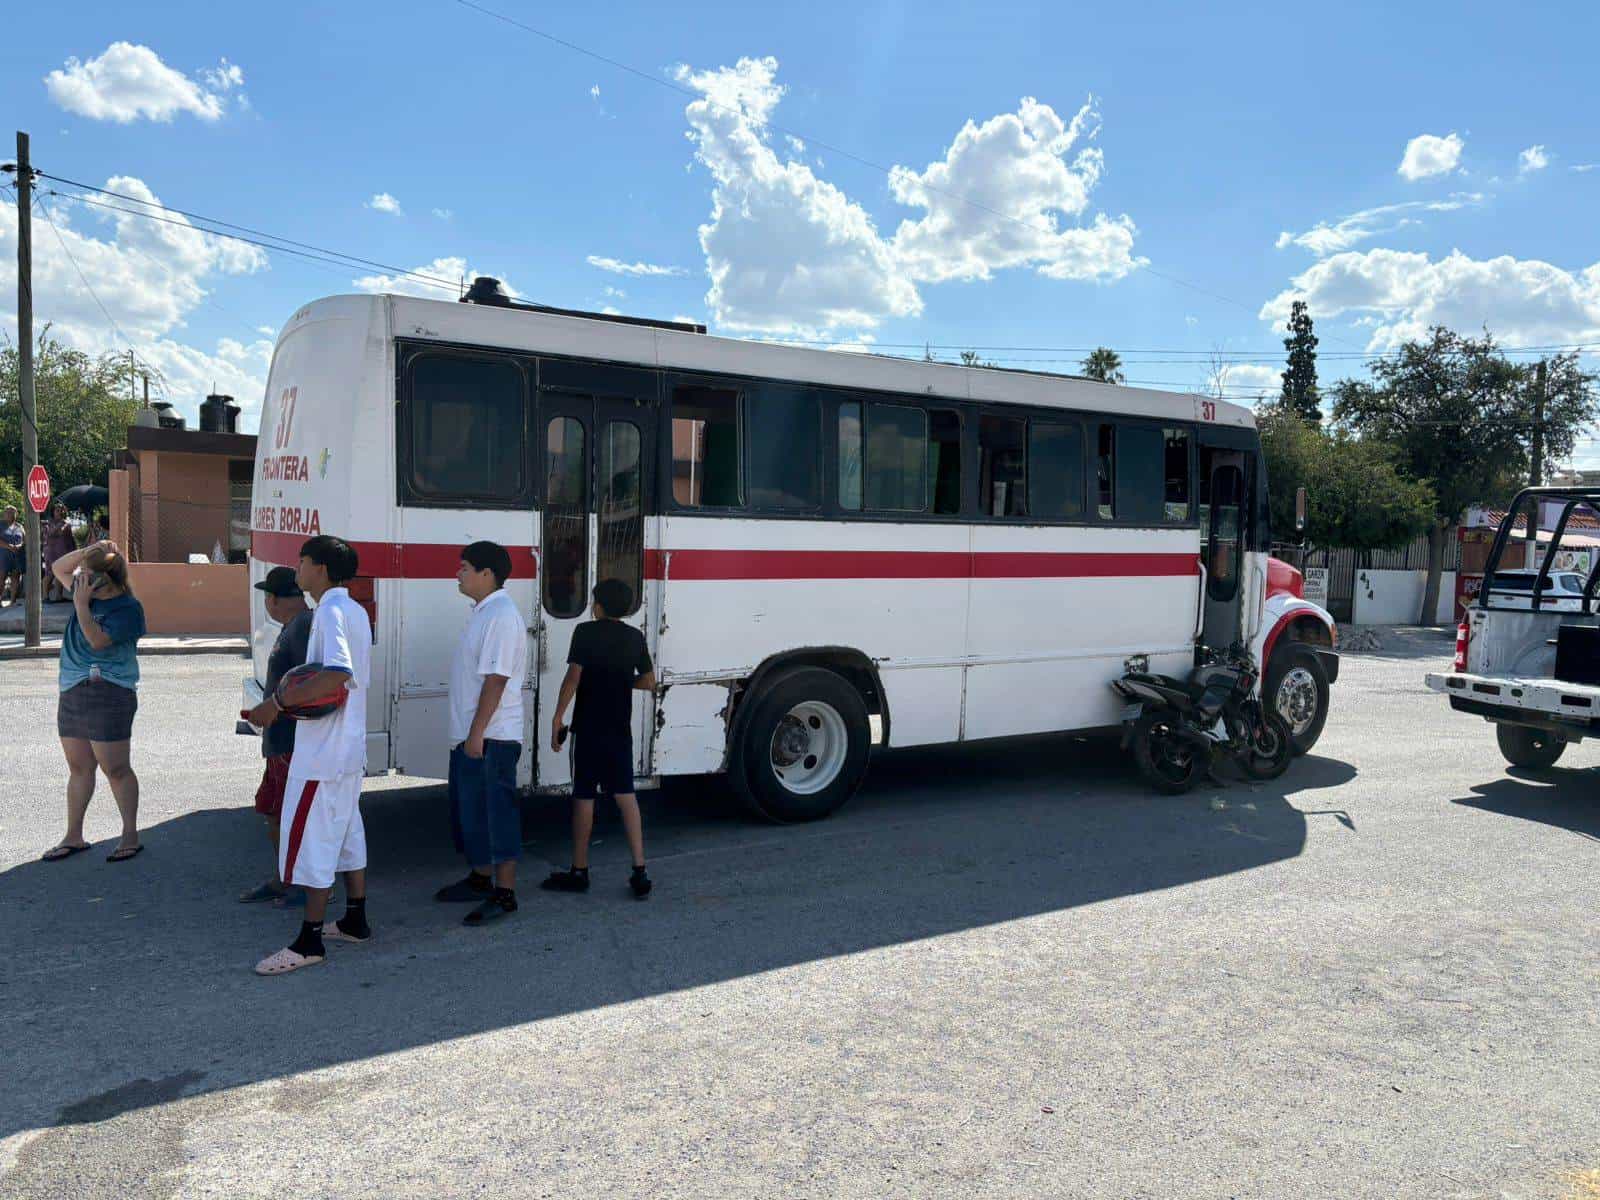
332 933
57 853
259 893
286 960
124 853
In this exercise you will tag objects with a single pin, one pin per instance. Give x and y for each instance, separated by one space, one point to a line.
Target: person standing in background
99 678
486 674
13 556
321 833
56 533
286 606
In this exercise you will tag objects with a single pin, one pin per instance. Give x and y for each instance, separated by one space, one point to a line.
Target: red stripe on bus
391 560
426 560
706 565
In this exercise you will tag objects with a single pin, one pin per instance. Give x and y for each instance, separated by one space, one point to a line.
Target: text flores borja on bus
829 553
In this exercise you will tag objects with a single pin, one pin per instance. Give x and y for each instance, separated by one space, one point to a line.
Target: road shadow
131 985
1563 798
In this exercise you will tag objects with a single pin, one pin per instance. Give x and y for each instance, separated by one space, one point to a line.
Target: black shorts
601 766
97 710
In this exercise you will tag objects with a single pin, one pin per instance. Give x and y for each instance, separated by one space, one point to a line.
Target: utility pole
1536 476
30 429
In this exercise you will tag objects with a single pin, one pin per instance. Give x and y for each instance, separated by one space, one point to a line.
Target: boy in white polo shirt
486 674
321 831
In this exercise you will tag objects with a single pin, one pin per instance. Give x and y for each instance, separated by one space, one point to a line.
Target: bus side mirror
1300 510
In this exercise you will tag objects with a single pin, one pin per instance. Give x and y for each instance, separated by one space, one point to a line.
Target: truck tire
1296 688
802 750
1524 746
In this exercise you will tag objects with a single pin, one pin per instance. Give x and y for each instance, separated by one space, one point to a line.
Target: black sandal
63 851
566 881
124 853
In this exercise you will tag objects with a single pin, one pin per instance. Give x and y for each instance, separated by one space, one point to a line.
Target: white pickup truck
1528 658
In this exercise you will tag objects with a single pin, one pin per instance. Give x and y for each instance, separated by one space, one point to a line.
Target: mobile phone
561 738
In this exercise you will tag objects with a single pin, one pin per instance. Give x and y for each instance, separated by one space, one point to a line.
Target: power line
280 244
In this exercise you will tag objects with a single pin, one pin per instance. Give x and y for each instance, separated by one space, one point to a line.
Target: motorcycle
1178 729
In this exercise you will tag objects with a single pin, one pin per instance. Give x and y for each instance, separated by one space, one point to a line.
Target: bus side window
705 448
1002 466
1140 472
944 460
1177 475
1055 470
850 455
784 445
1106 472
465 431
896 458
564 568
621 510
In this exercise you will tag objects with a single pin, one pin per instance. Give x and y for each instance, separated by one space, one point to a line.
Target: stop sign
38 489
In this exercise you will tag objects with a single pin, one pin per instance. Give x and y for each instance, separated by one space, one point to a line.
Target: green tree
1459 415
971 358
1300 392
1103 364
1356 495
83 411
1569 406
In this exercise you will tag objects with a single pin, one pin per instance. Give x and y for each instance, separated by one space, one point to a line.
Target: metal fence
1343 564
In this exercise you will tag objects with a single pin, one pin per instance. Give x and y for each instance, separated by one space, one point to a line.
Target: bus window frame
407 495
667 501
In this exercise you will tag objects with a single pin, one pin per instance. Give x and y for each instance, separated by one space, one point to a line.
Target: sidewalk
205 643
52 618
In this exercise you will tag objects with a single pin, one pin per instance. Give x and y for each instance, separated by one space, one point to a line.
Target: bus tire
1524 746
1296 680
802 751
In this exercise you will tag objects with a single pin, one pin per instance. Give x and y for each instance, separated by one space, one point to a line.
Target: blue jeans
484 821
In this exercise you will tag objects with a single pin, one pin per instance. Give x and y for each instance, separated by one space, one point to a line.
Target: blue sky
1154 178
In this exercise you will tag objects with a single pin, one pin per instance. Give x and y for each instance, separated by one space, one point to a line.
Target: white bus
830 553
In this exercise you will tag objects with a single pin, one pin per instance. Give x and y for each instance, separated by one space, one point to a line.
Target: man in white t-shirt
486 675
321 831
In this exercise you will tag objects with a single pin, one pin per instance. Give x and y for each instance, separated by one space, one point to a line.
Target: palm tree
1105 365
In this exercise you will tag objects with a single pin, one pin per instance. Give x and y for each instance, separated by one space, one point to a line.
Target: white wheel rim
809 747
1297 700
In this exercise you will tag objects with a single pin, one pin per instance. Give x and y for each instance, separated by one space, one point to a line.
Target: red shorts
269 796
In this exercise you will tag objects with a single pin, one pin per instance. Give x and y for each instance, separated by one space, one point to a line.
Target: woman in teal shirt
99 691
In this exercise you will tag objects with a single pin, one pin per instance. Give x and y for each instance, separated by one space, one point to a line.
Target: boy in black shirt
608 662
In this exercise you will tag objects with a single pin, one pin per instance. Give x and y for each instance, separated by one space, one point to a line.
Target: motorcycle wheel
1271 747
1168 763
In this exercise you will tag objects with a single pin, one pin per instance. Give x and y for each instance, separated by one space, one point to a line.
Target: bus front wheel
803 749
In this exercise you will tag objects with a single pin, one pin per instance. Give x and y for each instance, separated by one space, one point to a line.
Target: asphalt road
1001 971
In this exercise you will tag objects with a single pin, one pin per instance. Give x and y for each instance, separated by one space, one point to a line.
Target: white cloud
384 203
150 277
614 292
1584 168
993 202
785 251
1534 158
683 320
449 271
617 267
1427 156
1522 301
789 253
595 91
267 331
1324 239
795 144
1191 321
444 214
127 82
1251 380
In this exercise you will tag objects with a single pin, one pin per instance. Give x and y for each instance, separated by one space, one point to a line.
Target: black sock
309 943
355 915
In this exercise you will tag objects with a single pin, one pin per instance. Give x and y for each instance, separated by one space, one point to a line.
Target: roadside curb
237 646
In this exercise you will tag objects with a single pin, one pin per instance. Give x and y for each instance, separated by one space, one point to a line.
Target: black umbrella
84 498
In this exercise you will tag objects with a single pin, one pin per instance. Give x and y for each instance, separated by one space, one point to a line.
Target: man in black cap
286 605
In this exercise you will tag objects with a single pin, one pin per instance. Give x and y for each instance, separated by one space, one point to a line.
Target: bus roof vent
491 292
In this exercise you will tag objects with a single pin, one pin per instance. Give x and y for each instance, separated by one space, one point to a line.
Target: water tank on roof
214 415
168 418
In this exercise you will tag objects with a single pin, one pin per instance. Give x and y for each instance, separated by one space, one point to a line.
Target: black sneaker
465 891
496 906
640 883
566 881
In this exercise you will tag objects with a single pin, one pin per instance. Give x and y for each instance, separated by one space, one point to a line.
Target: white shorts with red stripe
320 831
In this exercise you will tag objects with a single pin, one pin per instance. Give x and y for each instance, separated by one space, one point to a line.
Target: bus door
597 438
1224 509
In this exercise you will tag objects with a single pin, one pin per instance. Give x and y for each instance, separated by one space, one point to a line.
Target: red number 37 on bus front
1208 410
280 437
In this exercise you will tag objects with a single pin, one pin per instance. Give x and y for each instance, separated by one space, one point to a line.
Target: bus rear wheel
803 750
